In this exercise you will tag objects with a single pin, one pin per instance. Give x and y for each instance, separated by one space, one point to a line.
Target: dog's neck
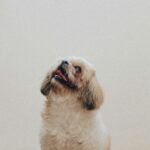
60 105
60 112
62 97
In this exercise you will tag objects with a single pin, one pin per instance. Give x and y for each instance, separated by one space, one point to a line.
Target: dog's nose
64 64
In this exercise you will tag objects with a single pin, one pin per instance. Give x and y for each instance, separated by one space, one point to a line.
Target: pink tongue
59 73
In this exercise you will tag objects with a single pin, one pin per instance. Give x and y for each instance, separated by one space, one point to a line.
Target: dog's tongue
60 75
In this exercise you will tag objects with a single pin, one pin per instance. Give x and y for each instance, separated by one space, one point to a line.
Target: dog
71 119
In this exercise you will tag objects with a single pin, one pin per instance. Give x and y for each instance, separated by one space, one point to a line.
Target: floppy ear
46 85
92 95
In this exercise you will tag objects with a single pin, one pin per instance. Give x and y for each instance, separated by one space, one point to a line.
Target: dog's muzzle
61 75
63 67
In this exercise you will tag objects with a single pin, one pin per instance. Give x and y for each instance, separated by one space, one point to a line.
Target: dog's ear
46 85
91 95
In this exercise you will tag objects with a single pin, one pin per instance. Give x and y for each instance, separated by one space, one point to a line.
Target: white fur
68 126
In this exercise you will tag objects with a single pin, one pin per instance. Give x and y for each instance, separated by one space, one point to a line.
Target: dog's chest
65 120
66 127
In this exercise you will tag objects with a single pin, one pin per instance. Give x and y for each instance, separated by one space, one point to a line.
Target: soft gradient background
112 34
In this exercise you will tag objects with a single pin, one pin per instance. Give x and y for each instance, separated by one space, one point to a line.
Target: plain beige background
112 34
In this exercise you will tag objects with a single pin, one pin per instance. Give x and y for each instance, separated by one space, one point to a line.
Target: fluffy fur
71 116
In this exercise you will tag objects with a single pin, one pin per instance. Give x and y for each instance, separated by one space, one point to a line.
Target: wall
112 34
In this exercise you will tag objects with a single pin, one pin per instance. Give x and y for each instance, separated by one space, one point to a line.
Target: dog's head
76 76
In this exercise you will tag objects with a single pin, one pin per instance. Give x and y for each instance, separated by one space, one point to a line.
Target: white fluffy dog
71 116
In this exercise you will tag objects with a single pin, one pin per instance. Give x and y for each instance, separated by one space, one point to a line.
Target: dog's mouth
61 76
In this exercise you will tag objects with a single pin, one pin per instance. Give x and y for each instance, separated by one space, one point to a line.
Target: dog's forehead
79 61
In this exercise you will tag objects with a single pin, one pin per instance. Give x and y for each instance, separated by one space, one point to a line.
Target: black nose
64 64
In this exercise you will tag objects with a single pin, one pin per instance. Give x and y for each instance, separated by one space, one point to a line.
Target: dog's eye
78 69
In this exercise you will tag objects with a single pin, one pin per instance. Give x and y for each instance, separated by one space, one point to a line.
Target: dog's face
76 76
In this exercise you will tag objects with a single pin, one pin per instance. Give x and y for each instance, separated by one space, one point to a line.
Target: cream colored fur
67 125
